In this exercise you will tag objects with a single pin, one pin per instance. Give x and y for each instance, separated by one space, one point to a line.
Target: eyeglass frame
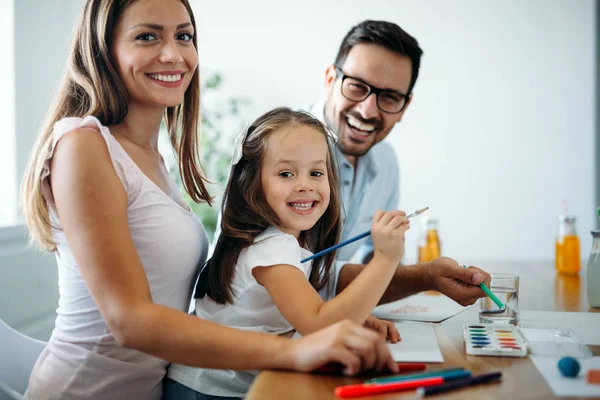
372 89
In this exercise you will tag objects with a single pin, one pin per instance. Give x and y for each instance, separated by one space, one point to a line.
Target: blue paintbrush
355 238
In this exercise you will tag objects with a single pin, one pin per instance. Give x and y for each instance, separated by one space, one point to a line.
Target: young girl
128 248
280 205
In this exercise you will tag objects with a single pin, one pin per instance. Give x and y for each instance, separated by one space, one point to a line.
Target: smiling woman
143 51
128 247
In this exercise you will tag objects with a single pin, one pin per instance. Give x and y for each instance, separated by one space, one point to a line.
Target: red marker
402 367
410 367
368 389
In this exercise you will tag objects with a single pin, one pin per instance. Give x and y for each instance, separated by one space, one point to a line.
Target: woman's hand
354 347
386 329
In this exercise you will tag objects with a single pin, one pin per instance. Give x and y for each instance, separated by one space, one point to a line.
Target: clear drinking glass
506 288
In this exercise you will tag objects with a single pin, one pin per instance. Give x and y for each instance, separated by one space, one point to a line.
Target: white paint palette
501 340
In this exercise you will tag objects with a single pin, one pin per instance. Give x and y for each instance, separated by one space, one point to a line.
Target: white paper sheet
562 386
419 343
585 325
424 307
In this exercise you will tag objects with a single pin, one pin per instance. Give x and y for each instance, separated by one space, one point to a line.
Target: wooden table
540 289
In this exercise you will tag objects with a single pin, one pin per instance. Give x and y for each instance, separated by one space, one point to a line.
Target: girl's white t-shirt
82 359
251 310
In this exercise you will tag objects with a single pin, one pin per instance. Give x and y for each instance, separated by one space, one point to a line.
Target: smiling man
367 91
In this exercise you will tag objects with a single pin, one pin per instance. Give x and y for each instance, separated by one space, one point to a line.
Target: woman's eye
186 37
146 37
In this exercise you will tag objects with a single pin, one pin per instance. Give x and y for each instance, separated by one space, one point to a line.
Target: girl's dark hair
246 212
385 34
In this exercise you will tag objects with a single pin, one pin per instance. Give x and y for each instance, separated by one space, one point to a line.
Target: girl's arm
302 306
92 205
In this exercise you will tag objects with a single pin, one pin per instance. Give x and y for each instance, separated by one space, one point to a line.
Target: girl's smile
303 207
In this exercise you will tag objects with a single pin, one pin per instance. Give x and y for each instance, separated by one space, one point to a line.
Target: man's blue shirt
373 185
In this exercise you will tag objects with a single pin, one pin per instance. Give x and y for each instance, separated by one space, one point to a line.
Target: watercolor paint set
494 340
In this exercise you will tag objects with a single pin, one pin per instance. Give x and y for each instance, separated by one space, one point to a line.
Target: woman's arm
302 306
92 205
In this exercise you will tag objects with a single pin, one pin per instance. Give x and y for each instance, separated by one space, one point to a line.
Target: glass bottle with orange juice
567 259
429 243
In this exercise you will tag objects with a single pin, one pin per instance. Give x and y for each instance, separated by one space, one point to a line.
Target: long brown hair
91 85
246 212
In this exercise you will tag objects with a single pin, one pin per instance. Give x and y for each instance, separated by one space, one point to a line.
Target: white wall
501 128
8 174
28 278
43 34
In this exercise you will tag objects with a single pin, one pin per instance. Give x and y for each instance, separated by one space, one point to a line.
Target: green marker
451 373
489 292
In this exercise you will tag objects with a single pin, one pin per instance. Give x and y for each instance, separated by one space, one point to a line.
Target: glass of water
506 288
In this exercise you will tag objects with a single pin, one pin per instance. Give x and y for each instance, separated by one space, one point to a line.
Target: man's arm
408 280
443 274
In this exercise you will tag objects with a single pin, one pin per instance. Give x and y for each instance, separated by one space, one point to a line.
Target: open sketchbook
418 344
428 306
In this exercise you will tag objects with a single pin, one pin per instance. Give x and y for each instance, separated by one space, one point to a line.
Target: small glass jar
429 243
567 258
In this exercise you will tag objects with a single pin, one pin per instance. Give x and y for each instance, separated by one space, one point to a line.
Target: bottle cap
567 218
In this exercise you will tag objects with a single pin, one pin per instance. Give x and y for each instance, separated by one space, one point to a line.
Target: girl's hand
388 231
386 329
354 347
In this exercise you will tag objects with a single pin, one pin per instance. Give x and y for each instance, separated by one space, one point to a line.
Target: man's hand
458 283
386 329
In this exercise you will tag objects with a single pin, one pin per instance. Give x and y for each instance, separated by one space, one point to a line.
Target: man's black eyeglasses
388 101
